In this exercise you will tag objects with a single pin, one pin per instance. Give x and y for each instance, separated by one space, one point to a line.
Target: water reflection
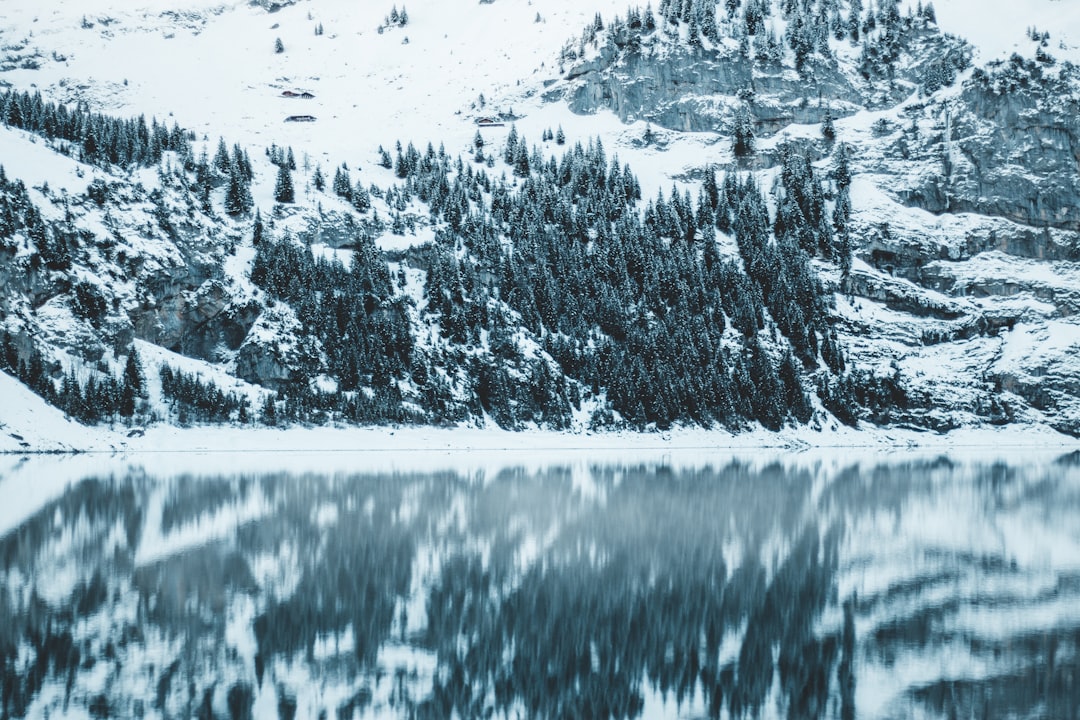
793 589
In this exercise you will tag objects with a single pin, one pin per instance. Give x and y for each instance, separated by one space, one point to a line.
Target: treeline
880 30
102 397
635 303
196 400
99 139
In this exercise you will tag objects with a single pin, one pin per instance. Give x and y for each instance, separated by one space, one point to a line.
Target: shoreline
168 439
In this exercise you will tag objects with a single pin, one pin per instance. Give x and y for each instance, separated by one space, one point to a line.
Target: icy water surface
790 587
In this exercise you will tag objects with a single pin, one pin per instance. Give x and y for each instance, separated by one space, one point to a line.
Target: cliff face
694 89
1010 144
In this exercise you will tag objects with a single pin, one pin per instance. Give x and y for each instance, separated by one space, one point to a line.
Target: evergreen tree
706 10
279 47
343 183
360 198
257 230
221 157
521 160
855 19
318 180
649 20
511 152
842 167
283 188
828 129
742 134
133 384
238 195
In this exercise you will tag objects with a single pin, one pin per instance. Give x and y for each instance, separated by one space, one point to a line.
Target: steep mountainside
726 214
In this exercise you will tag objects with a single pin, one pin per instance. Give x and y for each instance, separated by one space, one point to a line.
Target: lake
829 585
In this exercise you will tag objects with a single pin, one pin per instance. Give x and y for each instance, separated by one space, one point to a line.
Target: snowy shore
28 425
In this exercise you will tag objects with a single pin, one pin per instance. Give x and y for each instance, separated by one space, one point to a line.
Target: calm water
888 588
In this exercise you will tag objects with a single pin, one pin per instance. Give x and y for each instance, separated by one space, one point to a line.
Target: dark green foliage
97 398
862 393
238 198
742 134
88 303
342 183
283 188
353 313
99 139
828 128
197 400
133 386
648 291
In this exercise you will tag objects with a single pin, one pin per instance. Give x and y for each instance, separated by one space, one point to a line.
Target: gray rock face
203 323
274 351
1010 147
688 89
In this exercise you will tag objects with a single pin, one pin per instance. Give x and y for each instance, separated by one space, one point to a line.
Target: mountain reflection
792 590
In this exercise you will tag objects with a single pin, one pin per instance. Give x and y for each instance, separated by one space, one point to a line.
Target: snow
230 80
27 423
210 66
28 158
999 27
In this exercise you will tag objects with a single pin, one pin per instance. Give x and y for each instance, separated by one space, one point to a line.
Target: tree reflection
571 593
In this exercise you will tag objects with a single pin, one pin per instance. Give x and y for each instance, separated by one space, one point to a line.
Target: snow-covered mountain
944 297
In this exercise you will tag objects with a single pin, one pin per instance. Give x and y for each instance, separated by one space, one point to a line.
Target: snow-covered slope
957 287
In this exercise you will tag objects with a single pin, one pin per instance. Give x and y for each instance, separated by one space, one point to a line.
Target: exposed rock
1010 147
201 323
274 352
688 89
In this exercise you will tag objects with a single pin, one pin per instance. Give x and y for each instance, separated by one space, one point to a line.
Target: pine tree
238 195
707 20
342 183
521 160
560 136
742 134
221 157
510 154
855 20
133 384
360 198
283 188
318 180
828 129
279 47
257 230
842 167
